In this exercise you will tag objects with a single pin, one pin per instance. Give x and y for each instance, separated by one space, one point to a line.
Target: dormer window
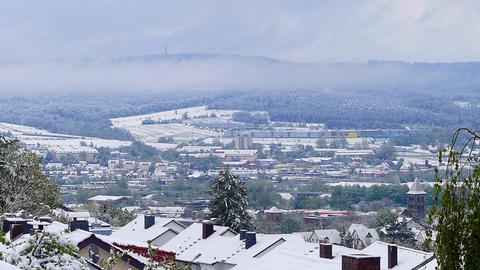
94 254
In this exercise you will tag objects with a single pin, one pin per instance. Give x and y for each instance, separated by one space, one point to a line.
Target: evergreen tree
398 232
229 203
290 225
384 218
22 185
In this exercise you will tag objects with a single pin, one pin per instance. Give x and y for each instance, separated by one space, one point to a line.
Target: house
113 164
149 228
207 246
144 166
107 199
129 164
92 224
294 254
274 214
98 249
356 155
85 153
227 154
331 236
359 236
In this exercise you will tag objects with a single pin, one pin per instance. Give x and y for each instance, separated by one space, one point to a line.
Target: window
94 254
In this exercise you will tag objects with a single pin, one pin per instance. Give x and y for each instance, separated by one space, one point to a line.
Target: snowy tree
229 203
398 232
22 185
43 251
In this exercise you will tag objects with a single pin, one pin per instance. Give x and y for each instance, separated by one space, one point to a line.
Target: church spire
416 202
416 188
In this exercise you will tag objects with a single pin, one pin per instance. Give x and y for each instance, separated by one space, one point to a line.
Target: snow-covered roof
218 247
189 237
333 235
285 195
135 230
302 255
407 258
295 255
362 231
265 243
416 188
104 198
82 214
149 196
55 227
274 209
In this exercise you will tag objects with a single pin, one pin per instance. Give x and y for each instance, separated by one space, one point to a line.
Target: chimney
149 221
78 224
243 234
392 256
207 229
9 222
326 251
360 262
250 239
16 230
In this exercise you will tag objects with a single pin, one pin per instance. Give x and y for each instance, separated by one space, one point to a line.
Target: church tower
416 197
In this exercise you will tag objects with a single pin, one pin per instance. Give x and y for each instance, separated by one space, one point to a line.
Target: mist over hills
78 97
154 73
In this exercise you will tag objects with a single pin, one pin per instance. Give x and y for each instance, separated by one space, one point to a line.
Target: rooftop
416 188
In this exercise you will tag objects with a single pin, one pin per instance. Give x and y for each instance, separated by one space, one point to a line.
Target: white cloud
300 30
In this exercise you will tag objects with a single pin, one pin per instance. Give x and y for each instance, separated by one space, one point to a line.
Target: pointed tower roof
416 188
274 210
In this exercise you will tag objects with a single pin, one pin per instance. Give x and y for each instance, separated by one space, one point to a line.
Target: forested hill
343 95
366 109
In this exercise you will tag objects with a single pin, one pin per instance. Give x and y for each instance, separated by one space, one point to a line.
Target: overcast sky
297 30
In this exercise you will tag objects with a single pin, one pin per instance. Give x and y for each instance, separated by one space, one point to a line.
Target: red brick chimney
207 229
392 256
326 251
360 262
16 230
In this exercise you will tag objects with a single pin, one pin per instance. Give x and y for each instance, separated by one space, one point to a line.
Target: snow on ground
29 131
7 266
125 122
32 136
420 160
180 132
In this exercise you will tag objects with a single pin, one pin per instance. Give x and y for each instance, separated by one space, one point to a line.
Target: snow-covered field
26 131
33 136
180 132
362 184
192 112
